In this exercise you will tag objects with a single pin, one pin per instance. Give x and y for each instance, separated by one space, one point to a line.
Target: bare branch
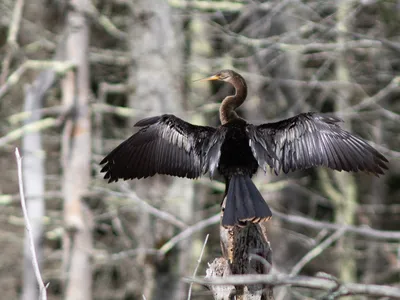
117 110
392 153
317 251
106 23
109 56
6 199
394 85
326 283
58 66
31 127
22 116
188 232
206 5
197 266
133 252
43 294
16 17
362 231
12 38
147 207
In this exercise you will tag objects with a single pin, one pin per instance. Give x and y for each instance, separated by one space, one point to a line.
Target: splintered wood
246 250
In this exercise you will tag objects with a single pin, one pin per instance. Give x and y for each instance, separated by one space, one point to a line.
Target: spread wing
309 140
164 145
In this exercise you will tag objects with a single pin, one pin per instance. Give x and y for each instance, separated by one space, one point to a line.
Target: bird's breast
236 155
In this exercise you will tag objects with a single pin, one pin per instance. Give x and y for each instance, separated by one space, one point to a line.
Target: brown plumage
168 145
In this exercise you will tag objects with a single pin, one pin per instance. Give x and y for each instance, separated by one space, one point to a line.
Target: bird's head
223 75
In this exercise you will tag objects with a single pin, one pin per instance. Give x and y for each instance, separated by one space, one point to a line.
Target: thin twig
43 294
197 266
360 230
163 215
317 251
134 252
393 86
189 232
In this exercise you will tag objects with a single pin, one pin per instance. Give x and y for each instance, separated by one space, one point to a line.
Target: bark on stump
246 250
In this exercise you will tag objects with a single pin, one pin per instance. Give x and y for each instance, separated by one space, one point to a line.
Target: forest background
76 75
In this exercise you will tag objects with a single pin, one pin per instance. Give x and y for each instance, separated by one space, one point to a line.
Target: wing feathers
164 145
309 140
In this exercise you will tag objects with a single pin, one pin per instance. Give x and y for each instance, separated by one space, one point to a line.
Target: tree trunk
345 207
156 75
373 264
33 177
76 158
246 250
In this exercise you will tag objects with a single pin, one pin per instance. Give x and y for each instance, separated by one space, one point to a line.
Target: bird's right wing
310 139
164 145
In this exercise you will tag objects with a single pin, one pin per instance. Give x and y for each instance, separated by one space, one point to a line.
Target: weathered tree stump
246 250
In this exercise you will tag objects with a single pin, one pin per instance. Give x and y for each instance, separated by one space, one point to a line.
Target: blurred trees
76 156
101 65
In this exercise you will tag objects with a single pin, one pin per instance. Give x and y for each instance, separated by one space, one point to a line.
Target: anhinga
168 145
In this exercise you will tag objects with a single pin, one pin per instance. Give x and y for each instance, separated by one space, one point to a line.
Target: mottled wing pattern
164 145
309 140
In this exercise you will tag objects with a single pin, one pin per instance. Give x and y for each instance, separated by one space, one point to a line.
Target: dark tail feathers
244 203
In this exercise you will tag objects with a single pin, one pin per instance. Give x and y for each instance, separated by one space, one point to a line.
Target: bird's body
236 156
236 149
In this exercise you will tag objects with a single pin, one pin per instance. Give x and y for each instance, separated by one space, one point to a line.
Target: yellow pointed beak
213 77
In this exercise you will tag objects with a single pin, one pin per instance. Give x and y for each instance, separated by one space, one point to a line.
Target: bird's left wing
309 140
164 145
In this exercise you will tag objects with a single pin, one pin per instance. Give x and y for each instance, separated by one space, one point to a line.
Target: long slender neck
229 104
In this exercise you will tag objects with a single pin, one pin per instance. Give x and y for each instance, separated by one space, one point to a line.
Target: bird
236 149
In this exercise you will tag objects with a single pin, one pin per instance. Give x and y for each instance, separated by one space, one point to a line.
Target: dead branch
359 230
215 6
317 251
107 56
31 127
60 67
326 283
6 199
197 266
12 38
393 86
117 110
133 252
188 232
147 207
22 116
106 23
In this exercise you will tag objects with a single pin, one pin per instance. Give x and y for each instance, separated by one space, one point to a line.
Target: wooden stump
246 250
